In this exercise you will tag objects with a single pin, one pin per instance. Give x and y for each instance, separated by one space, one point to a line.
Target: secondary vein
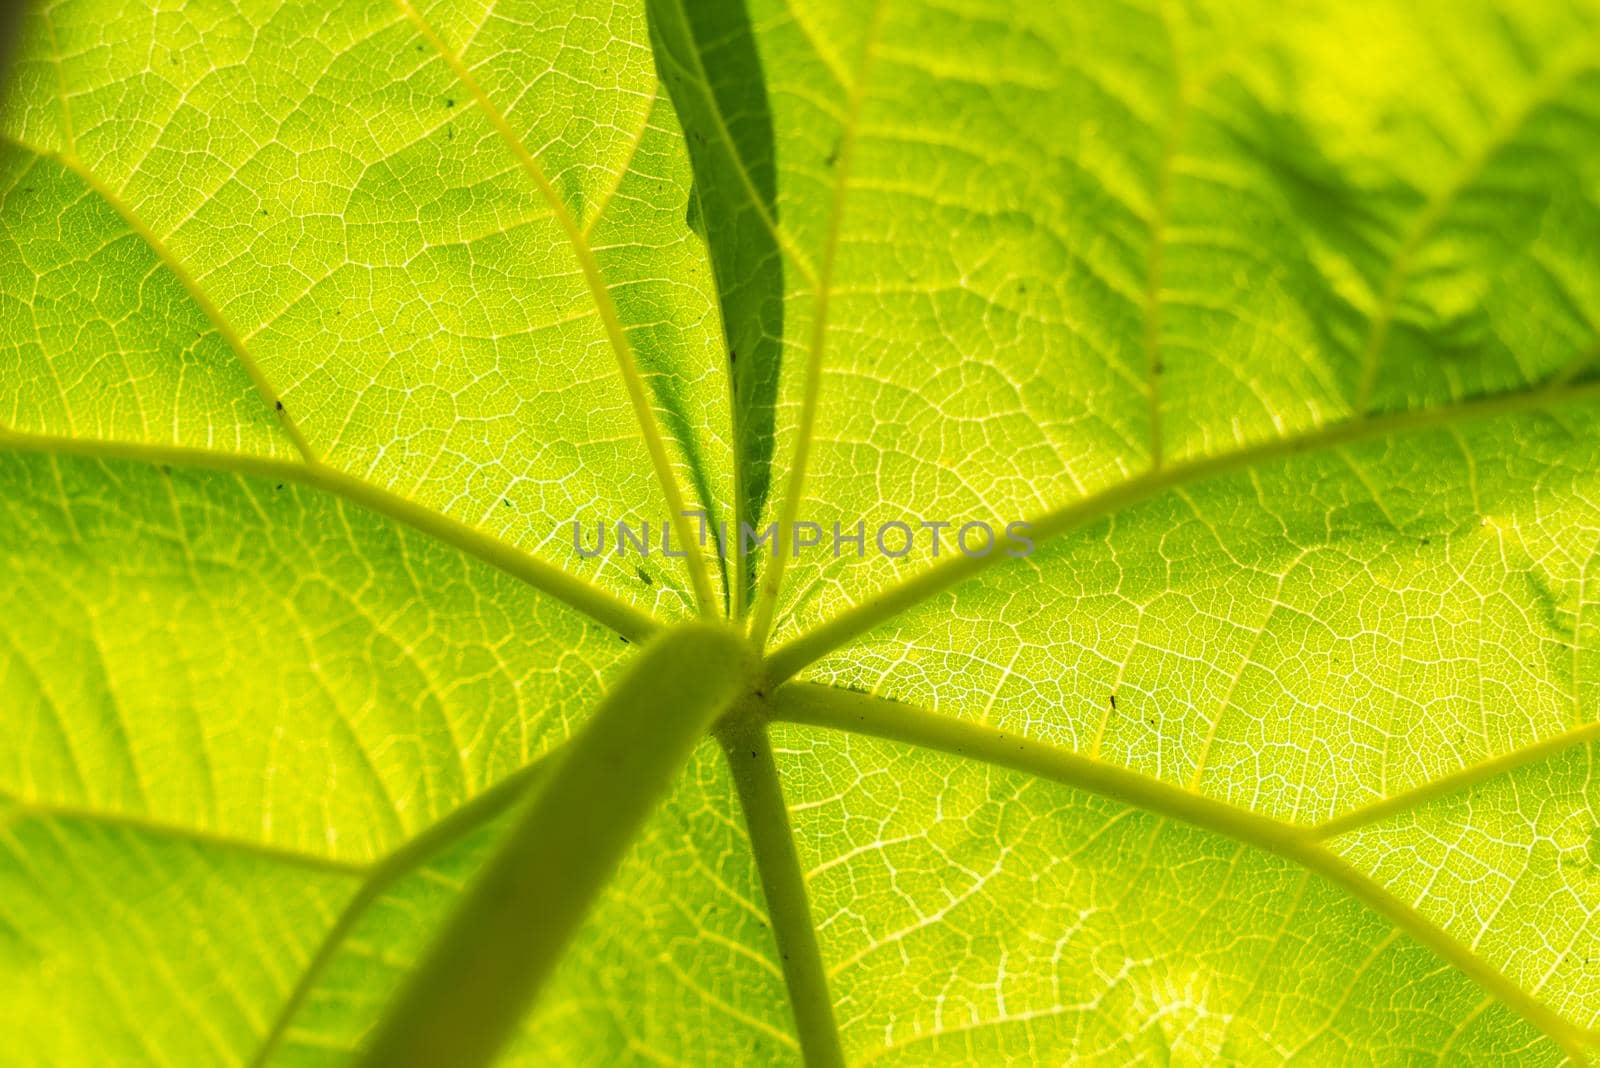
24 808
1456 781
175 267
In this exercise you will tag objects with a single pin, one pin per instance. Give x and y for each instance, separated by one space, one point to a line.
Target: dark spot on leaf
1113 702
280 485
752 754
279 405
505 501
449 102
622 639
644 578
733 356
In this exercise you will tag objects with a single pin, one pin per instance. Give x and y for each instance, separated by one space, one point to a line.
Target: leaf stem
512 924
766 816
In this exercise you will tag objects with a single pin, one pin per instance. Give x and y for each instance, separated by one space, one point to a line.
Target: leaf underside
1280 324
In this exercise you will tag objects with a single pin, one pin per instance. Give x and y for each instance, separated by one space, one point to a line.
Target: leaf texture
1278 324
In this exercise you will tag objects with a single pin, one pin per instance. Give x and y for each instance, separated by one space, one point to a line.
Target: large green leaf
1279 323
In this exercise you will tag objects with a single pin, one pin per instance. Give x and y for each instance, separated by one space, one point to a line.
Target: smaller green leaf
512 925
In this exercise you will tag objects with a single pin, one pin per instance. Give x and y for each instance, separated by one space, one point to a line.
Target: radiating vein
771 581
843 710
598 605
885 604
649 428
749 754
21 807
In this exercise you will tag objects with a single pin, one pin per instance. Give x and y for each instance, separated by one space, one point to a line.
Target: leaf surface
1276 323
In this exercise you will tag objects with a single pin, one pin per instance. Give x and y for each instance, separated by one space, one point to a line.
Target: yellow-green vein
1456 781
772 575
885 604
649 430
593 602
835 709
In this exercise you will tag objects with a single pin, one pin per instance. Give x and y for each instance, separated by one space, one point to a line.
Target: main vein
885 604
828 707
593 602
772 575
649 429
749 755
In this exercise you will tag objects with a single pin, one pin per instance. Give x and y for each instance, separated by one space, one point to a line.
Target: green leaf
1279 326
